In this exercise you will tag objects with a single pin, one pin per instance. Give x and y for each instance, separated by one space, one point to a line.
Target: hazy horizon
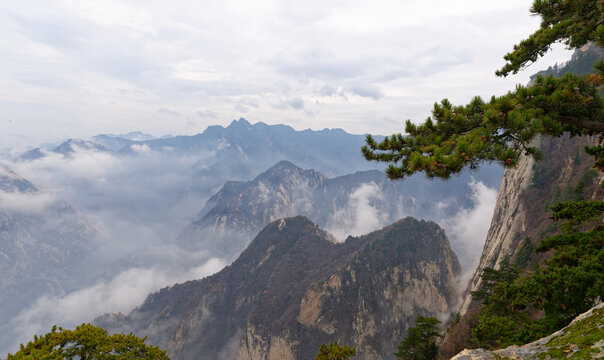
77 69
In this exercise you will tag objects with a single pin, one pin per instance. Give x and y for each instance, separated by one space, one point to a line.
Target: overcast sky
78 68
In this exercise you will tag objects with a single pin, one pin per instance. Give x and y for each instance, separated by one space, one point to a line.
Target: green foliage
567 285
574 23
525 253
577 193
537 178
501 129
491 278
454 319
420 342
335 352
582 334
578 214
87 342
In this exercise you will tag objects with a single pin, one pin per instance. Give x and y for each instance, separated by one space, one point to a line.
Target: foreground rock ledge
587 327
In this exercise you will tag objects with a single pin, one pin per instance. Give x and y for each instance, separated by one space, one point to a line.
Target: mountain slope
293 288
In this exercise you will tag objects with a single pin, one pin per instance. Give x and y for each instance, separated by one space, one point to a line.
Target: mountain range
352 204
139 197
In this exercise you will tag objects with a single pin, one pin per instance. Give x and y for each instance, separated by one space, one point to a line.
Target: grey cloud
319 65
367 91
296 103
329 90
55 52
63 33
359 89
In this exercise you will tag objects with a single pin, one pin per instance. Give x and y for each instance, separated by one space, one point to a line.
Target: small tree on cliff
335 352
501 129
420 342
87 342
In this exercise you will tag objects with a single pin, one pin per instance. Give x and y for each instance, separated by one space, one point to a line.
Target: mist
121 293
25 203
136 199
466 227
360 215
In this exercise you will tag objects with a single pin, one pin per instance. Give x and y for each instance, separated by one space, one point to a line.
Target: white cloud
86 164
120 294
359 216
467 230
141 149
27 202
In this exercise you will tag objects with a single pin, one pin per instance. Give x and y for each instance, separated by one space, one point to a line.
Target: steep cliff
521 216
293 288
522 213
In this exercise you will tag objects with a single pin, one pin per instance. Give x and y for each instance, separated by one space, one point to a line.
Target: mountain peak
67 147
283 165
240 123
284 169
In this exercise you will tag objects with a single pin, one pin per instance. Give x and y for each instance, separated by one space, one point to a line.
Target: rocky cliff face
522 214
293 288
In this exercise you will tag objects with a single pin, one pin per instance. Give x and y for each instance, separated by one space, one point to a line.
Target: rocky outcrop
583 338
293 288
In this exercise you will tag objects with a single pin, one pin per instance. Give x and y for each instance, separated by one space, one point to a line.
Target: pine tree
87 342
420 342
501 129
335 352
